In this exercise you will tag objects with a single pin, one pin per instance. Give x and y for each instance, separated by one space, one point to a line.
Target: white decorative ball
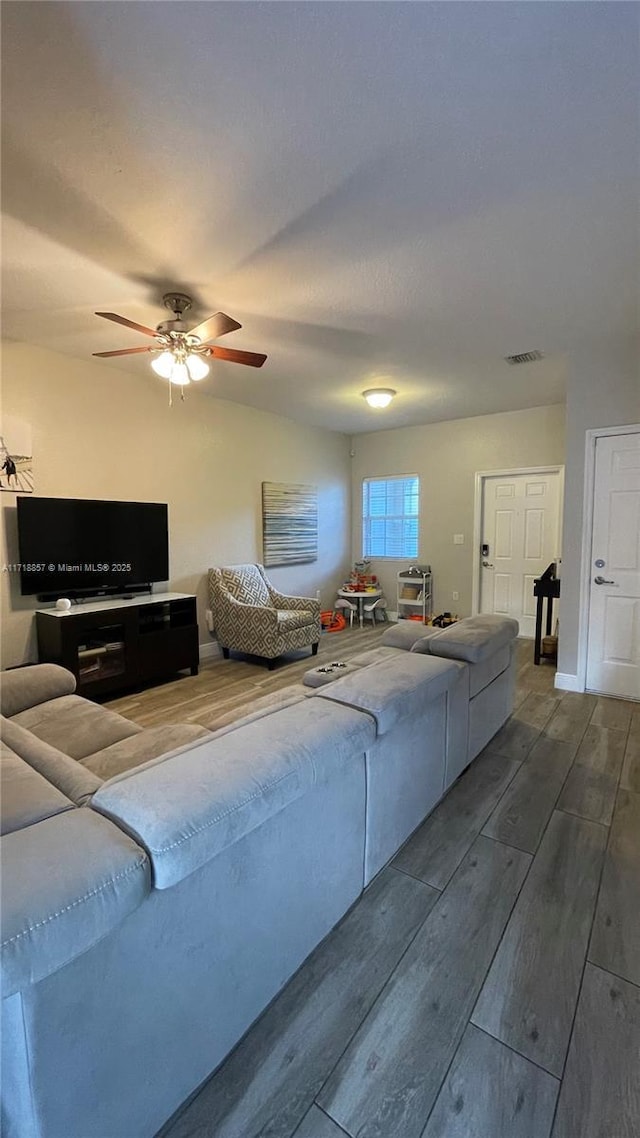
63 604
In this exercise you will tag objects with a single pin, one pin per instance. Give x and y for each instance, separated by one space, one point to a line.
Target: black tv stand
85 596
115 645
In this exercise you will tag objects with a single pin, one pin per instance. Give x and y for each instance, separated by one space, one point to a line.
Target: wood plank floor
389 1077
524 884
529 997
615 943
224 684
600 1095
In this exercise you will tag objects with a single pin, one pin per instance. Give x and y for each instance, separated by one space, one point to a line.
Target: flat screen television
75 547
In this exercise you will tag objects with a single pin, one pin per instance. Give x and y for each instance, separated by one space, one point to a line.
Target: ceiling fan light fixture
179 368
179 352
163 365
180 374
197 367
379 396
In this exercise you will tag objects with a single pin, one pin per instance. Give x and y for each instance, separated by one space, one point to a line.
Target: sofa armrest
27 687
67 881
297 604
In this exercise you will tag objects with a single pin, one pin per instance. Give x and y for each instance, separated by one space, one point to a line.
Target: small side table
544 588
360 597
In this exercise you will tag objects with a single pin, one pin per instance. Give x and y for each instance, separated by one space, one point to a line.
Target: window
390 517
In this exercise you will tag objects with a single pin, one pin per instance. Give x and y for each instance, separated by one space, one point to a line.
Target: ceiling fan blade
123 352
251 359
214 326
127 323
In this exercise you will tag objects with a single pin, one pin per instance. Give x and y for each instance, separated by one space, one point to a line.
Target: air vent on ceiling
524 358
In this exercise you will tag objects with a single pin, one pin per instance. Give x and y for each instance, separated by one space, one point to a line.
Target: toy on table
361 581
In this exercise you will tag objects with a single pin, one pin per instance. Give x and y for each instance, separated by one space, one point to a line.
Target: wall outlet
455 596
458 539
208 616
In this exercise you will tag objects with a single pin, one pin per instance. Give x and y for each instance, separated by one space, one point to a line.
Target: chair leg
314 649
225 653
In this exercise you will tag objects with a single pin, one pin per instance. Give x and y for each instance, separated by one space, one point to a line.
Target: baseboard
210 650
567 682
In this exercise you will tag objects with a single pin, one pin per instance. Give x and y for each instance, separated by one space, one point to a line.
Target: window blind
390 508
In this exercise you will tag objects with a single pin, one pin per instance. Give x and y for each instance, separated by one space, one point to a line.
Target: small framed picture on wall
16 457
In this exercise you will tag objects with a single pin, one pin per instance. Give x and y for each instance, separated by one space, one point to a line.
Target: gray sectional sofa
154 903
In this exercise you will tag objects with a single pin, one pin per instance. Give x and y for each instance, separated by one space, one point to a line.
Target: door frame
480 478
587 537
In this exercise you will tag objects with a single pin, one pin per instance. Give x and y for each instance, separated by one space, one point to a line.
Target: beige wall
446 456
101 433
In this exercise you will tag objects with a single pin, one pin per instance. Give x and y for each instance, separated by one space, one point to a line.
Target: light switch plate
458 539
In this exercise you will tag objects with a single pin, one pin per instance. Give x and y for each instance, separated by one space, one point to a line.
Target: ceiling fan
181 352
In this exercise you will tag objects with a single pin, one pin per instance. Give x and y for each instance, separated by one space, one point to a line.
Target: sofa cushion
373 656
25 796
423 643
187 808
49 918
227 720
76 726
475 638
64 773
149 744
405 634
37 683
288 619
388 690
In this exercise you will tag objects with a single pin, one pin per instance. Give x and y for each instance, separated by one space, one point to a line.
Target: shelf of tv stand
114 645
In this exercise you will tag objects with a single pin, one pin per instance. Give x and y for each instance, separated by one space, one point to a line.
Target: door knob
602 581
487 564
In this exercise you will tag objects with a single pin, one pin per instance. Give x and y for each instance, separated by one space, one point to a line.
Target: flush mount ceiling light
379 396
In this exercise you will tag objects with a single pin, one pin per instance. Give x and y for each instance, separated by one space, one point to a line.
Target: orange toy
332 621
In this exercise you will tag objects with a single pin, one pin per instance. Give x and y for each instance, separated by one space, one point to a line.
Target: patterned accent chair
250 616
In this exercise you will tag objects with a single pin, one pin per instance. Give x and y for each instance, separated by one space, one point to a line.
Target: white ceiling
393 193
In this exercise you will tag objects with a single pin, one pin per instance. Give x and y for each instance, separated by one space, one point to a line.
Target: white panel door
521 529
613 653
